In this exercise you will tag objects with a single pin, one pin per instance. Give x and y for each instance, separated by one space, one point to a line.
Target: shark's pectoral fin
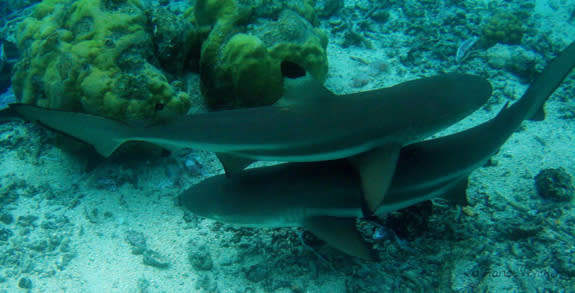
376 168
539 115
458 193
233 164
340 233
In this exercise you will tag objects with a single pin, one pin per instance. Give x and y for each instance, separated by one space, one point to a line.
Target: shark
325 198
309 124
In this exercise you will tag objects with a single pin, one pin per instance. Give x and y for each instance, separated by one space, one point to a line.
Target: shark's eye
159 107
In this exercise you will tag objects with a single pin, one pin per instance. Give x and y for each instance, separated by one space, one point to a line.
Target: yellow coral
207 12
503 27
244 69
310 55
77 53
256 78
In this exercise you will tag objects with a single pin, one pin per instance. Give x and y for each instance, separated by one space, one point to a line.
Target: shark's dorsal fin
539 115
340 233
233 164
376 168
458 193
305 89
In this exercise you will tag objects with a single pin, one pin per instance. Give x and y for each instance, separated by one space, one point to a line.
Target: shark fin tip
376 169
342 234
539 115
233 164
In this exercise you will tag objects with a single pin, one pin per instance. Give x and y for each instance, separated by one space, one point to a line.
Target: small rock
155 259
54 222
565 265
5 234
360 80
377 67
523 230
25 283
26 221
352 38
256 273
555 184
380 15
523 64
499 56
39 245
193 165
6 219
137 240
190 218
200 258
206 284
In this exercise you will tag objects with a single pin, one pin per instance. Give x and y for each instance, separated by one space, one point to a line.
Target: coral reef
125 61
12 8
555 184
240 63
503 27
100 57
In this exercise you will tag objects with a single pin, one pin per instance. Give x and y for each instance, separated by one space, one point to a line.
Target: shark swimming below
325 198
310 124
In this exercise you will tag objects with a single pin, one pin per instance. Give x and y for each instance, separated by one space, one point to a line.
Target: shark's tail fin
106 135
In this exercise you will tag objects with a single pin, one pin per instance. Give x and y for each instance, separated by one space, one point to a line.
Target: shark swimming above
325 198
310 124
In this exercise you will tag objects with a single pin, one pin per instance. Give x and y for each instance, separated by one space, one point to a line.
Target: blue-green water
73 222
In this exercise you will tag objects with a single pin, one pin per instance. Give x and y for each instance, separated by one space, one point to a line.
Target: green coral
118 59
208 12
96 56
246 61
503 27
240 64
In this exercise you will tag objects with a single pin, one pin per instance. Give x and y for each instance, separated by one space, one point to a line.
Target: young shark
326 197
330 127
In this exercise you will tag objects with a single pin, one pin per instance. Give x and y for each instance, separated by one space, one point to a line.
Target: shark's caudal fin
376 168
340 233
105 135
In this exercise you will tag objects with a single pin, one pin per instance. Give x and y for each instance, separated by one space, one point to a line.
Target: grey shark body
331 127
325 197
298 130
